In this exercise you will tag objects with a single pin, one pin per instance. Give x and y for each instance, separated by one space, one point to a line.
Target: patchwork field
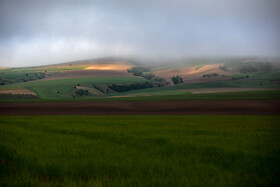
118 78
64 88
47 137
139 151
194 74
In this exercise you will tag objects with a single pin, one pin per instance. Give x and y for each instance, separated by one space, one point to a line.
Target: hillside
118 78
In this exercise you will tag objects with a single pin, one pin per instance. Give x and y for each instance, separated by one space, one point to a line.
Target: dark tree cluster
156 80
33 76
102 88
40 75
81 92
177 79
135 86
240 77
127 87
149 76
210 75
138 71
4 82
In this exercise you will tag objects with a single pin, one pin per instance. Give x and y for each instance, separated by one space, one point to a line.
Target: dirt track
196 107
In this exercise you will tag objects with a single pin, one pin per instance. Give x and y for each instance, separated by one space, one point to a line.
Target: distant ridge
102 60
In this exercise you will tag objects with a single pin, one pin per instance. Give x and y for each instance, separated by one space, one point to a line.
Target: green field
17 75
75 81
48 89
158 96
244 75
139 151
169 95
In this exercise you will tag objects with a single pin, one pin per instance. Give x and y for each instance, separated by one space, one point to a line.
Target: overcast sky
34 32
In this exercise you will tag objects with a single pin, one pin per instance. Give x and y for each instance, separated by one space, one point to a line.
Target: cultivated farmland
96 123
139 151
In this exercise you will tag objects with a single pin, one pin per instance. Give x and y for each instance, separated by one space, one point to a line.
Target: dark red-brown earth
194 107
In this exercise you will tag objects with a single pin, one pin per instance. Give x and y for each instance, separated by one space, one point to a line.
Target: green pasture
274 76
149 96
17 75
185 95
251 83
139 151
74 81
62 88
183 89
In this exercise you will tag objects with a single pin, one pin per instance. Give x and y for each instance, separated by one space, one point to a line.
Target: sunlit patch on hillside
116 67
194 73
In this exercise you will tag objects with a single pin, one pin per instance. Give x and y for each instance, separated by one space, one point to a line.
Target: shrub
149 76
81 92
138 71
210 75
177 79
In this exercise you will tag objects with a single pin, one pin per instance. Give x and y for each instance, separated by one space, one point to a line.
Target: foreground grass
139 151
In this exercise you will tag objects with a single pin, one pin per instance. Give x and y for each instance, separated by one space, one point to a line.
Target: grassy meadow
155 96
185 95
139 151
62 88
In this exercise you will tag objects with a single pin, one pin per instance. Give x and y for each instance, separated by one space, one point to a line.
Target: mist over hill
36 32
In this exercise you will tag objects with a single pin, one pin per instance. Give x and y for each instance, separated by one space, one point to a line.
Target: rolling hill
116 78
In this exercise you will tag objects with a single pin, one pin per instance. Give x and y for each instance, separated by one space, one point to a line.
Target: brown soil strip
194 107
277 82
16 92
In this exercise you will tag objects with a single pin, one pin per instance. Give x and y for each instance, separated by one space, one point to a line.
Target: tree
177 79
138 71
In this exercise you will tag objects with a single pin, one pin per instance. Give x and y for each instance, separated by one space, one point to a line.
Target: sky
41 32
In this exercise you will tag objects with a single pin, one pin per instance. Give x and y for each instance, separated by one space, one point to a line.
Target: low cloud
47 32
